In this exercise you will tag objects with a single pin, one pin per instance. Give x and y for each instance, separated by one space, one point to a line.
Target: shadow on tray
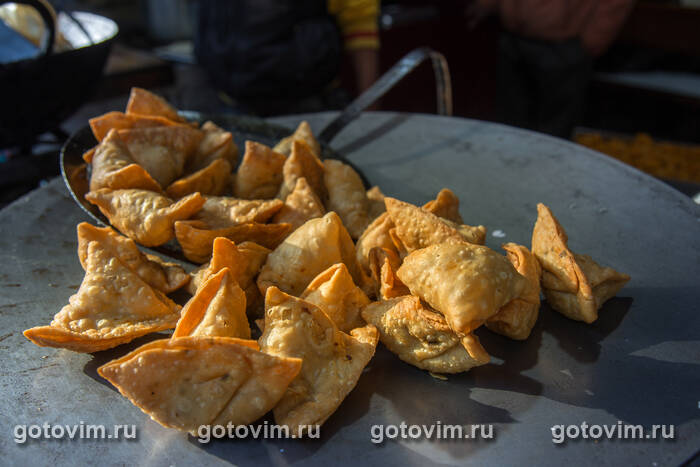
563 360
611 365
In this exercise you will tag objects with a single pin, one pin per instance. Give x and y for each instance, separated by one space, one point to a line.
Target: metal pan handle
388 80
44 9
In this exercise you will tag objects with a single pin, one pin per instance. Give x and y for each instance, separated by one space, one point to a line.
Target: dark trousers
542 84
194 90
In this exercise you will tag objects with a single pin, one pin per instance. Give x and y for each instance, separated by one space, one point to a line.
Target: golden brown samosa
301 205
216 309
260 173
347 196
446 206
376 206
465 282
112 307
216 144
421 337
162 150
574 285
302 163
244 261
212 180
159 274
187 382
384 263
101 125
143 102
334 292
114 167
376 235
308 251
144 216
333 360
197 239
517 317
417 228
302 133
220 212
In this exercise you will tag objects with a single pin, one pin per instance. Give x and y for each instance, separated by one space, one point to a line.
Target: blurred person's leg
194 90
515 87
562 71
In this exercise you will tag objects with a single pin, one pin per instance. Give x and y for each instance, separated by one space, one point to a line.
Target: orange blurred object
672 161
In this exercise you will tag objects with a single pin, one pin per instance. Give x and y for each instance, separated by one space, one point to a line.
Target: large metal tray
638 363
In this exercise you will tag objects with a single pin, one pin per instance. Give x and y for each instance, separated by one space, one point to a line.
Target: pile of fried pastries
293 249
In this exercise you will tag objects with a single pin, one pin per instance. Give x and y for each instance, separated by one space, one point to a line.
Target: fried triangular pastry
215 144
113 306
254 257
308 251
301 205
220 212
188 382
302 133
445 205
89 154
120 121
418 228
334 292
144 216
302 163
347 196
225 254
376 205
143 102
384 263
517 317
260 173
217 309
376 235
333 360
197 239
161 275
162 151
421 336
244 262
399 246
212 180
114 167
475 235
465 282
573 284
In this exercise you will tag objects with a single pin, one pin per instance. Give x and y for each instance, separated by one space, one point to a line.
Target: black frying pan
76 173
38 94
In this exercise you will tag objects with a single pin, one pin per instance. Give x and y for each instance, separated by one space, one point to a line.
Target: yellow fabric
358 21
357 43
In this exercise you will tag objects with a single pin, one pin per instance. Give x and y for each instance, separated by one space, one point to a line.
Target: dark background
659 36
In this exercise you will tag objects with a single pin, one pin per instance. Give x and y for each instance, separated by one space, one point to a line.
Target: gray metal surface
638 363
